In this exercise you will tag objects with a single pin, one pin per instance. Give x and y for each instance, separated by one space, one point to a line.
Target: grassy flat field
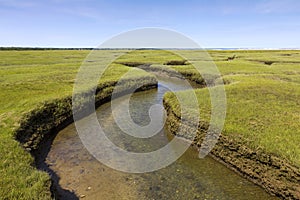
263 102
27 79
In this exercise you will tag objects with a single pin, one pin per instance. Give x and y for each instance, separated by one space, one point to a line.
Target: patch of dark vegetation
265 62
286 54
268 62
132 64
176 62
231 57
271 62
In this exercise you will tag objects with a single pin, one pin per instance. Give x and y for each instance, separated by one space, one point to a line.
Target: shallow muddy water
187 178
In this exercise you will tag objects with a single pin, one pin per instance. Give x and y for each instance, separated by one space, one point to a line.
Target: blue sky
211 23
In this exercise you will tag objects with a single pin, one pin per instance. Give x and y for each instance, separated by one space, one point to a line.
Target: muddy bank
166 70
39 127
274 174
52 116
187 178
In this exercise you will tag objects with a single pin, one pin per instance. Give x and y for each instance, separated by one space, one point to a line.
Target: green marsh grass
27 79
263 101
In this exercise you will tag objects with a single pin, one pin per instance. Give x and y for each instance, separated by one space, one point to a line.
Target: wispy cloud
85 12
278 6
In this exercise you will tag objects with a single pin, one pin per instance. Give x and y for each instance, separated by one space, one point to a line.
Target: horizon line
141 48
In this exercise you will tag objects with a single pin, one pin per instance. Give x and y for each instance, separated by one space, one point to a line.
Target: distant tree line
39 48
88 48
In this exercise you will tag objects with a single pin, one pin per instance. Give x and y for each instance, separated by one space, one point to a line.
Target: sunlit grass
27 79
263 101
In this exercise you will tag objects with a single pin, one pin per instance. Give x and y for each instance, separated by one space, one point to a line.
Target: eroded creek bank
79 173
274 174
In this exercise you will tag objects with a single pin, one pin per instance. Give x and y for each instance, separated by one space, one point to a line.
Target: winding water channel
188 178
